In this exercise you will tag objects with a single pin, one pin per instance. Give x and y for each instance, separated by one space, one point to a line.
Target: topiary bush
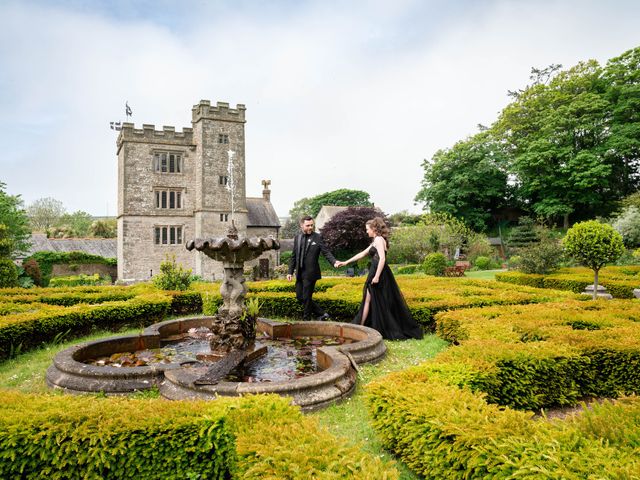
435 264
593 244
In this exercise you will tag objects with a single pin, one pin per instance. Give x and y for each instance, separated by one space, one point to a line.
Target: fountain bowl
334 381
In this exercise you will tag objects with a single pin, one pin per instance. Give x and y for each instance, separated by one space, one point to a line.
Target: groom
304 261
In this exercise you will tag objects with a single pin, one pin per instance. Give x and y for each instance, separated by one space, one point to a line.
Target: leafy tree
45 213
628 225
343 197
14 217
593 244
78 223
345 231
468 181
311 206
8 270
622 144
404 218
104 228
556 133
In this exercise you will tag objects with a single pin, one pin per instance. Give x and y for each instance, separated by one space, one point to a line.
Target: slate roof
260 213
105 247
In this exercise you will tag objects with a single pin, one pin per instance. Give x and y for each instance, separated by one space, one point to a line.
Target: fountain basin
335 380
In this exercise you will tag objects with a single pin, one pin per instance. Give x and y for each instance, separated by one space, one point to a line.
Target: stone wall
64 270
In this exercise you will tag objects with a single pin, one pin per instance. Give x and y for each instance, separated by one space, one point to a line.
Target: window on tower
168 235
171 199
223 138
167 162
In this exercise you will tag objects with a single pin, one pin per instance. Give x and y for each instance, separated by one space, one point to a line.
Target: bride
383 307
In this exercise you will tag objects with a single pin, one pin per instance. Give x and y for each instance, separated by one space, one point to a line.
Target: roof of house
105 247
261 213
326 213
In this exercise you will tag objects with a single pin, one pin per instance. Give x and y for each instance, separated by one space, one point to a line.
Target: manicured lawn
483 274
349 419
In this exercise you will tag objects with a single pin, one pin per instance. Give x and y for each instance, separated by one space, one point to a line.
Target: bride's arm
357 257
378 242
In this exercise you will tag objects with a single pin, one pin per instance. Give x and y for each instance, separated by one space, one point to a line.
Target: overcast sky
338 94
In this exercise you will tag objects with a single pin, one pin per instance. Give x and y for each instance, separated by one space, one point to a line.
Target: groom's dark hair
306 218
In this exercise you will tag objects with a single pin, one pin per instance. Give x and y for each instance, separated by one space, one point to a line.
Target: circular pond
312 362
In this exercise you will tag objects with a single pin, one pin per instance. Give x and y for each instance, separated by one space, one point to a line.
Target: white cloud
336 97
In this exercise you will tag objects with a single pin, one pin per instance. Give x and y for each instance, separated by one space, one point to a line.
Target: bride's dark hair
380 228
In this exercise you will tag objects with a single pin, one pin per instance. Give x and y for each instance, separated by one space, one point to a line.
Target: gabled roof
261 213
105 247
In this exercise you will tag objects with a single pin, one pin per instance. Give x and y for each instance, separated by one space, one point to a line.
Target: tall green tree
468 181
555 133
14 217
622 146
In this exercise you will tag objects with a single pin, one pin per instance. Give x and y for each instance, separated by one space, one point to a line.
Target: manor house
177 186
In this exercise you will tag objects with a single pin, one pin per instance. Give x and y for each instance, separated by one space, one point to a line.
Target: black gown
388 311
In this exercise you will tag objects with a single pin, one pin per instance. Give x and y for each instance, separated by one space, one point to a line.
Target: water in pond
286 358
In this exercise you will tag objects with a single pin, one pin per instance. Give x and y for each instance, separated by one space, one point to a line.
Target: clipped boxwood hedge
619 281
60 437
31 317
42 316
456 417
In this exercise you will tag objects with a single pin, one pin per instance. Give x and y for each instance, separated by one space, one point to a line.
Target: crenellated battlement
221 111
149 134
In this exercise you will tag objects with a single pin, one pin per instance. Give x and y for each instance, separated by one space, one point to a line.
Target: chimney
266 193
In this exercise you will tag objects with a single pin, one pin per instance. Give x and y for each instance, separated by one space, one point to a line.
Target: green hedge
442 431
60 437
619 281
455 417
27 330
46 261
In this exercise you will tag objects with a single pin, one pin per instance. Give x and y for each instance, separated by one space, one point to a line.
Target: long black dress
388 311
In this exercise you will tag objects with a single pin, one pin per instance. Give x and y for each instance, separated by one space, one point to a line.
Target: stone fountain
233 331
231 342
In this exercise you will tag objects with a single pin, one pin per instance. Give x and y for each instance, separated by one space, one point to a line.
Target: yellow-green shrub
619 281
59 437
451 418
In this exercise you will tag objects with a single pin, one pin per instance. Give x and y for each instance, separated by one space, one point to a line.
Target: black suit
304 261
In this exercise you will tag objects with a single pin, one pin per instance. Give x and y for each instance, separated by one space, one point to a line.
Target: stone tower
175 186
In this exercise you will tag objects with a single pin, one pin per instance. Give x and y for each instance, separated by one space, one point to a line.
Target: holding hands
339 264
